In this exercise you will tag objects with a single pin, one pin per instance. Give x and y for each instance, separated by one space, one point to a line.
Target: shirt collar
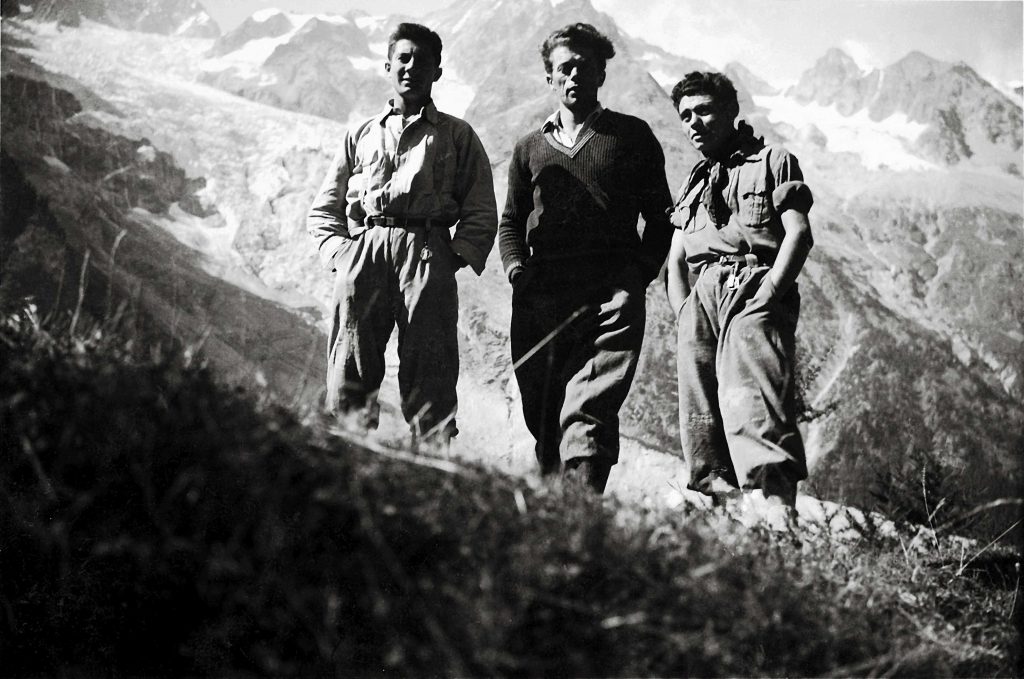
554 121
429 112
744 146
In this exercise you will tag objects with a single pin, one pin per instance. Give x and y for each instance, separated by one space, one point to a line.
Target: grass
156 522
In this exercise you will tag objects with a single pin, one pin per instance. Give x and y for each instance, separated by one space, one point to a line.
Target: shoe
774 512
587 472
723 493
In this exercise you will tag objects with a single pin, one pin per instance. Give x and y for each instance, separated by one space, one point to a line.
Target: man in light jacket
382 223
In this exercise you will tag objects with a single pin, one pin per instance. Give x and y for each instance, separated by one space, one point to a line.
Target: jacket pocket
754 197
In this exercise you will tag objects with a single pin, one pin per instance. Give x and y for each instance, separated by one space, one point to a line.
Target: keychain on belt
733 281
425 252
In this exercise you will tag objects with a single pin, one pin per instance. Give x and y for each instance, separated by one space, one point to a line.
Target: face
413 70
707 126
575 77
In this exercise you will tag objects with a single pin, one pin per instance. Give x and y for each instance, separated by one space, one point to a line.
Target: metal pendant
426 254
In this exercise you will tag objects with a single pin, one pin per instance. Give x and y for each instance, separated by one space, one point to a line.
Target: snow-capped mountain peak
966 118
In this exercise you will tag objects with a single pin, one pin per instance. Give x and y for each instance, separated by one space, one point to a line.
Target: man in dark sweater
578 265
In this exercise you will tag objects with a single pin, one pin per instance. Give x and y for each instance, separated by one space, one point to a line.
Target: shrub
156 522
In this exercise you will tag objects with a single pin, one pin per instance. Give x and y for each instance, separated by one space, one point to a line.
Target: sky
790 35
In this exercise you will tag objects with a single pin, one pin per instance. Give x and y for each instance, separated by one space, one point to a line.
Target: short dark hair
419 34
715 85
575 36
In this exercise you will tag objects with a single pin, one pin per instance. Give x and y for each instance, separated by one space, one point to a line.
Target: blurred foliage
155 522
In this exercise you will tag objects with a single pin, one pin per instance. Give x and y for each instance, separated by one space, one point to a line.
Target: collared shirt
553 126
763 181
430 165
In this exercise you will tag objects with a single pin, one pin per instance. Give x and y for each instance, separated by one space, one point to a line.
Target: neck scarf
717 173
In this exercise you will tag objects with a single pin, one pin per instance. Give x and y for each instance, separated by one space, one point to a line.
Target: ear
387 67
547 78
600 78
437 74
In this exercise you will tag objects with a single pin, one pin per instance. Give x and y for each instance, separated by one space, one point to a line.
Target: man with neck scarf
742 234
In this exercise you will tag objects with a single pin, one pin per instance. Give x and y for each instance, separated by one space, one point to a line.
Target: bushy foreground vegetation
155 522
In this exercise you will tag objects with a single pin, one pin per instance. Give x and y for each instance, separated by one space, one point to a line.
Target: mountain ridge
966 116
165 17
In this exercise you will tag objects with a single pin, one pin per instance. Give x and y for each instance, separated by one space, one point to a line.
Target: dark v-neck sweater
583 203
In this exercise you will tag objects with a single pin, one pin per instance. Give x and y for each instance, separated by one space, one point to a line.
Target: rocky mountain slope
910 338
101 220
166 17
321 66
966 117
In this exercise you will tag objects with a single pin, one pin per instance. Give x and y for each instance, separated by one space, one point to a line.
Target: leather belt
733 263
399 222
738 261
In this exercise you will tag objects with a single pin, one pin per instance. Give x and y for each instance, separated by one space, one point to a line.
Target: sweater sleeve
518 205
655 206
791 193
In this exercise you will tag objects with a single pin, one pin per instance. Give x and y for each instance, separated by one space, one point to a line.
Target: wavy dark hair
576 36
419 34
715 85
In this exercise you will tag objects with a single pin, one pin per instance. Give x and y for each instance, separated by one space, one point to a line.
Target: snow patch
201 19
248 58
366 63
262 15
371 23
380 48
452 94
879 143
664 79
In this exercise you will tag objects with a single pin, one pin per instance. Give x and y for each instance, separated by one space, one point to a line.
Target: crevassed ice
877 142
248 58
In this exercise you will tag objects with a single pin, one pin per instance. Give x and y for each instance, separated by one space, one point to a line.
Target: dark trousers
576 338
737 416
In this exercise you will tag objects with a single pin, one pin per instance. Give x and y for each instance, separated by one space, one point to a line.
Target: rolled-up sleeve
790 191
474 191
792 195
